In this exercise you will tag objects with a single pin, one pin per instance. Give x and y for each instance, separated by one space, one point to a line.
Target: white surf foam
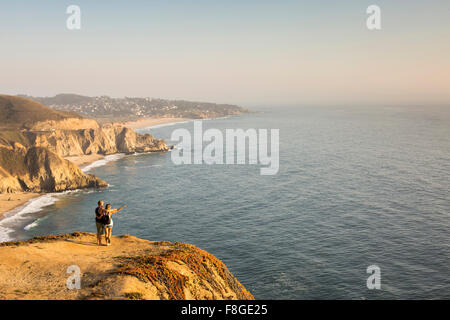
19 215
102 162
163 125
4 234
35 223
218 118
180 122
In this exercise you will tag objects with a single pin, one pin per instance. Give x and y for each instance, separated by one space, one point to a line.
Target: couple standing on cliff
104 221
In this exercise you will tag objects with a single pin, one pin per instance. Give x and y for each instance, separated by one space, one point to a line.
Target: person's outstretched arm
117 210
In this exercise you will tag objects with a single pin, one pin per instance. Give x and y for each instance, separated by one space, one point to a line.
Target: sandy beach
10 201
84 160
148 122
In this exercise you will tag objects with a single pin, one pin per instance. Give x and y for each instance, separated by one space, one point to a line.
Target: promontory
131 268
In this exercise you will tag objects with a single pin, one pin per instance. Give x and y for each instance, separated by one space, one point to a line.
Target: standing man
99 212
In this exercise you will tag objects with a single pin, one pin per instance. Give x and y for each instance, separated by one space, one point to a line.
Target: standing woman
109 223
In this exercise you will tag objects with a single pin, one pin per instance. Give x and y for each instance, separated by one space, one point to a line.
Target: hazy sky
244 52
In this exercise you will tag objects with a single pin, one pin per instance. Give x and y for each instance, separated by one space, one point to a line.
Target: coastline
150 122
11 202
84 160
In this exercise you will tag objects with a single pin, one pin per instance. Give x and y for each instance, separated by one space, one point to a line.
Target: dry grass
134 296
18 112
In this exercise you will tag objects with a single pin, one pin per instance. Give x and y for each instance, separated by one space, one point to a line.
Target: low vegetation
20 113
107 109
157 270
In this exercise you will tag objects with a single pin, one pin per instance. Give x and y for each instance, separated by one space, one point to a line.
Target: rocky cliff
37 163
37 169
108 139
131 268
34 139
69 123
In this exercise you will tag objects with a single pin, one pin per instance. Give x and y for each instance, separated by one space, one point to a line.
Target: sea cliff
131 268
38 169
108 139
34 140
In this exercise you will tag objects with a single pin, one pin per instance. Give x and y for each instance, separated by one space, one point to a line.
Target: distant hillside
21 113
106 109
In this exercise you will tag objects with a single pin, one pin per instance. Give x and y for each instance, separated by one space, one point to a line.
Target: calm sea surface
356 187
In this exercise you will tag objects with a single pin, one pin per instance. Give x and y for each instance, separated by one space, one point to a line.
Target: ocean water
357 186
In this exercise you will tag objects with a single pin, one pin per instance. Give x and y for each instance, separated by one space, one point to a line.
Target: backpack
106 219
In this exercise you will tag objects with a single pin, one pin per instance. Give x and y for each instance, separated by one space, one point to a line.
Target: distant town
107 109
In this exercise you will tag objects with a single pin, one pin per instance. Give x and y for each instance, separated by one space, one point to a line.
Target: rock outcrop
34 139
64 124
8 183
131 268
108 139
37 165
38 169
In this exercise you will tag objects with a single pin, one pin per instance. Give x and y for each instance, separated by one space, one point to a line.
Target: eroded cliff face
34 139
37 164
8 183
131 268
65 124
103 140
38 169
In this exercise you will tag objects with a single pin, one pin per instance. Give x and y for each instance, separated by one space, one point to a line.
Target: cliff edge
131 268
